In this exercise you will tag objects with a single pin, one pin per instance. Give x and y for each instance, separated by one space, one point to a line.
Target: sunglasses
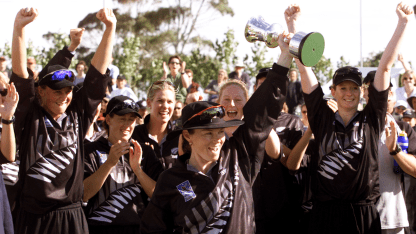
161 82
208 113
401 108
174 63
3 92
348 71
407 78
60 75
126 105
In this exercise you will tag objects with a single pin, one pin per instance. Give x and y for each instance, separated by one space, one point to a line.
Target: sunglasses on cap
126 105
161 82
348 71
208 113
60 75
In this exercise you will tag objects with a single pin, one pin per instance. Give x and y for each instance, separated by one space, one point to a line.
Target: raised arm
296 155
382 77
8 106
103 55
186 81
308 78
405 65
76 37
19 60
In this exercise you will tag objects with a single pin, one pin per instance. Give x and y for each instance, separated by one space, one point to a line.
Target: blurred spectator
193 97
304 114
114 71
193 87
412 101
409 116
103 109
31 64
213 88
3 67
81 68
408 89
123 90
142 111
399 108
294 91
177 113
239 74
175 73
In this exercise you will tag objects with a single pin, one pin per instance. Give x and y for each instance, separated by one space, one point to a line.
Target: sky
338 21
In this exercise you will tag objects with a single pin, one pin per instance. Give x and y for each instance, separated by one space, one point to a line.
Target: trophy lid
313 46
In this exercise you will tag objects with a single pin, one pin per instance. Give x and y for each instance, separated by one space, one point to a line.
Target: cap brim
349 79
60 84
209 125
126 111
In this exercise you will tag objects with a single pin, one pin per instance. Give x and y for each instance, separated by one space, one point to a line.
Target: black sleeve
62 57
151 164
299 93
27 96
411 135
376 108
260 113
86 99
157 217
295 133
210 86
318 110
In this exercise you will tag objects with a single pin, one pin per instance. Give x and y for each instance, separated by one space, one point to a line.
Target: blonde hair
410 73
238 83
151 92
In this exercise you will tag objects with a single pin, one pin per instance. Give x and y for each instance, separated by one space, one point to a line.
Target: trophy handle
259 30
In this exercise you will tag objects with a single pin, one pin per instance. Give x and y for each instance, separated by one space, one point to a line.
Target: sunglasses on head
348 71
126 105
208 113
60 75
161 82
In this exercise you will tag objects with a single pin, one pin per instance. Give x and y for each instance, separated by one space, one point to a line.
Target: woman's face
221 76
80 68
206 144
121 126
304 113
408 81
174 65
162 105
233 99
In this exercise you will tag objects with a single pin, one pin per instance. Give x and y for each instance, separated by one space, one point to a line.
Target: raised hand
165 69
8 103
391 137
284 40
292 14
25 16
116 151
135 156
76 37
183 66
400 58
106 15
404 11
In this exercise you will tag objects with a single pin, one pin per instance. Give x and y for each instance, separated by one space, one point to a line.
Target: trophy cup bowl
307 47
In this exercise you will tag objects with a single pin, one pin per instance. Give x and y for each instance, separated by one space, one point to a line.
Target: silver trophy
308 48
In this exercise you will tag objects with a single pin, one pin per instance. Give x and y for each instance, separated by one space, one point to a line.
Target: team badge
174 152
186 190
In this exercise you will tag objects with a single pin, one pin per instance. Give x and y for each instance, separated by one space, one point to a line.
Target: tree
225 50
323 70
258 59
342 62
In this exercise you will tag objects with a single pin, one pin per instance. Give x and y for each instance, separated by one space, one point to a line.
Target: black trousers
64 220
342 217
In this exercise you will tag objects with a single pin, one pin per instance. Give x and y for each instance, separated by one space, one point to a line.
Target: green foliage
342 62
373 60
258 59
126 58
225 50
6 51
323 70
205 68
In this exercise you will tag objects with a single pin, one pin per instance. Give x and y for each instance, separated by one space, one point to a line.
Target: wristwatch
397 150
3 121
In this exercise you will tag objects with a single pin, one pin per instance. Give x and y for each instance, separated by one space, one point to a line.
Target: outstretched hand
284 40
391 137
135 156
404 11
25 16
292 14
8 103
106 15
76 37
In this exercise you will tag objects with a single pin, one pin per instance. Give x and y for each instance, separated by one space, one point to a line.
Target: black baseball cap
142 104
409 114
409 100
263 72
347 73
121 105
56 77
203 115
369 78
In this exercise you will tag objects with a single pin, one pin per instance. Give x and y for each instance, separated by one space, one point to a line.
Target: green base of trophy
308 48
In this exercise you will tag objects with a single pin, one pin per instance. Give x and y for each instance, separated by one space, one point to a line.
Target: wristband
3 121
397 150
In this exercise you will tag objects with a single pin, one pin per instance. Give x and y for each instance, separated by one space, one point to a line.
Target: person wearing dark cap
122 89
277 199
409 116
412 101
142 111
117 181
345 182
209 190
51 122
